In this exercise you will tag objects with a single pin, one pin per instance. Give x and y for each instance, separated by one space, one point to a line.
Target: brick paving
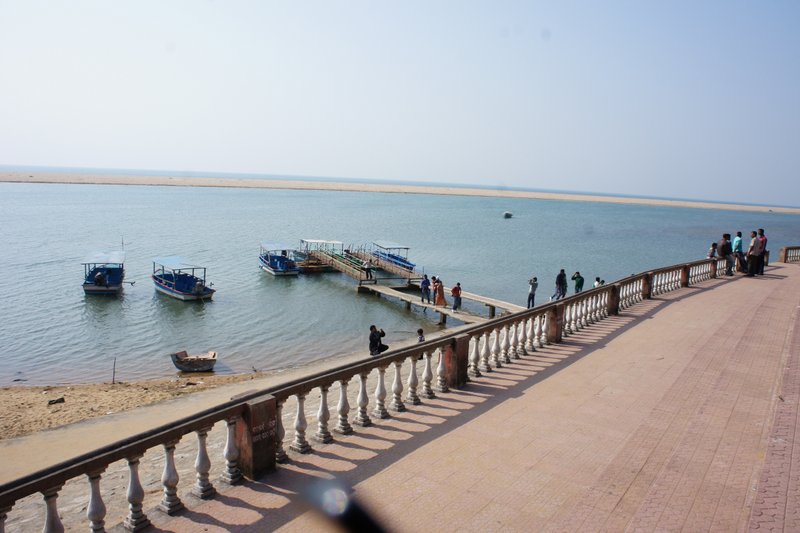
659 419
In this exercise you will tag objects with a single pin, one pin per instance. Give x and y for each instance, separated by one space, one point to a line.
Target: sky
679 99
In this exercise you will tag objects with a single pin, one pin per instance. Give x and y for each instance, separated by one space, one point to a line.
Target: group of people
436 285
561 286
752 262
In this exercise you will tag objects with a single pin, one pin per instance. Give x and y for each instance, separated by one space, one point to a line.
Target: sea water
51 332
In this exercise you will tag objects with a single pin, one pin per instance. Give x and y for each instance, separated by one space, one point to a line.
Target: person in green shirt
578 279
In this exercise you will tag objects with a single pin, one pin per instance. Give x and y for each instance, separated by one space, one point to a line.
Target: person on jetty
725 250
438 291
561 286
578 279
366 266
533 284
425 288
739 253
763 258
376 347
753 253
455 292
712 252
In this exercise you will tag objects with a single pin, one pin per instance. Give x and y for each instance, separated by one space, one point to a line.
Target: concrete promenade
678 414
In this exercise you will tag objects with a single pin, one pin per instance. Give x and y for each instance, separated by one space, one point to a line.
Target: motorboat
104 272
277 259
394 253
176 277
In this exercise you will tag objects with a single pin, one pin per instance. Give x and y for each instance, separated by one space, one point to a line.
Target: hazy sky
679 99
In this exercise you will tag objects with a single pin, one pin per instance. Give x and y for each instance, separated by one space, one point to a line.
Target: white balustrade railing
486 348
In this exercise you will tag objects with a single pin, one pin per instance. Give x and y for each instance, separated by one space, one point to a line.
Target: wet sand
97 179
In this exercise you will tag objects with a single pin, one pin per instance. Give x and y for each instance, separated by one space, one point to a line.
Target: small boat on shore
176 277
104 273
194 363
277 259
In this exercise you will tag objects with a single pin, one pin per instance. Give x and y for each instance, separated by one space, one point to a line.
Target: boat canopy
271 246
322 242
175 262
105 258
389 245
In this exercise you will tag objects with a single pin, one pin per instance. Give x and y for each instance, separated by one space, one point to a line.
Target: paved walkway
660 419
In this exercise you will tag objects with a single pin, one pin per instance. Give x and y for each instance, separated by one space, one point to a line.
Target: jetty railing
256 436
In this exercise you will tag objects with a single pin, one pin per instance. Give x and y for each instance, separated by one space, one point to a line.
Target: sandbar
299 184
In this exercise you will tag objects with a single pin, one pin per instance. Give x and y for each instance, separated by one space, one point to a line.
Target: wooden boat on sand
194 363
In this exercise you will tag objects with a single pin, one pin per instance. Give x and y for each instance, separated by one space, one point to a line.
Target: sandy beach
98 179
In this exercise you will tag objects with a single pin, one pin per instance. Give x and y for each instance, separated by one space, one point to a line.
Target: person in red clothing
455 292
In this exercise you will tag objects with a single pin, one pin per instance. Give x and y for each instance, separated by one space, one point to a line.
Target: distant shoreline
166 181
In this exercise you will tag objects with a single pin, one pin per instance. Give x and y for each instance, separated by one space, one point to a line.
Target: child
420 335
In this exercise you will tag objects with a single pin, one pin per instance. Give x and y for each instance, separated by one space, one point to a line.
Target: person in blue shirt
425 288
739 252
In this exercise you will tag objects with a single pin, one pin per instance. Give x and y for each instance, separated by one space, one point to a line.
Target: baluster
522 337
170 503
96 510
3 515
597 315
232 474
203 488
485 353
441 378
300 444
52 522
506 344
380 395
530 335
514 341
413 382
539 325
136 519
474 356
397 388
567 327
343 426
545 326
362 418
323 415
576 316
280 434
496 349
427 378
585 312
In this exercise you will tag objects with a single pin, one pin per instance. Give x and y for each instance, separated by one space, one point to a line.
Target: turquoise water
52 333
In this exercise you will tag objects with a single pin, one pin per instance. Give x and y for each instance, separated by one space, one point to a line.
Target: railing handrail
134 445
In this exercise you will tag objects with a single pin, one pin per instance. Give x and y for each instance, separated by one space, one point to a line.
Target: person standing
561 286
724 249
533 284
425 287
596 282
438 290
578 279
366 266
455 292
752 255
738 252
376 347
762 239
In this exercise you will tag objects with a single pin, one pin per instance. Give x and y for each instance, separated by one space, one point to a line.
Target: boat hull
194 363
167 288
279 272
91 288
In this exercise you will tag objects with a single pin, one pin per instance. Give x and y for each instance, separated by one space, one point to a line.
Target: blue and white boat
104 272
396 254
176 277
278 259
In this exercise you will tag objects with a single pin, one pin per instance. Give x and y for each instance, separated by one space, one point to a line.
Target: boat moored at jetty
306 261
194 363
104 272
278 259
391 252
176 277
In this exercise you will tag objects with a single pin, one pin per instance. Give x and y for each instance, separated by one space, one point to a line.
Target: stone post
647 285
782 256
456 360
713 269
613 300
555 322
256 431
685 276
766 257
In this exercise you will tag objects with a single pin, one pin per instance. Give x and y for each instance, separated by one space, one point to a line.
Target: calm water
52 333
